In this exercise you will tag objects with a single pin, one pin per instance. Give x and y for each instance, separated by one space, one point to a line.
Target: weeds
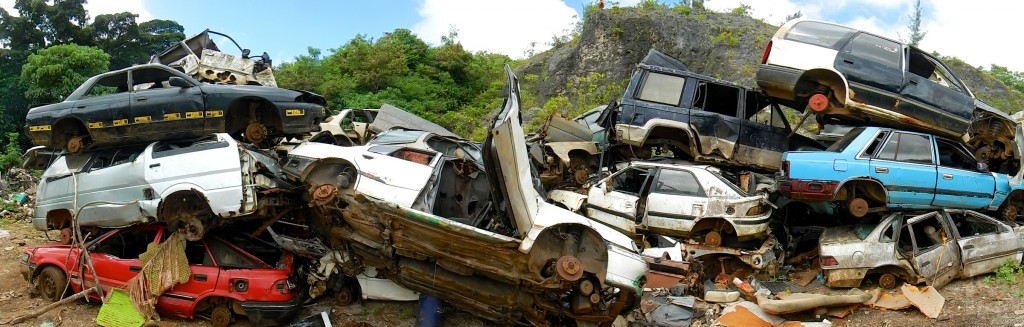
1008 271
988 280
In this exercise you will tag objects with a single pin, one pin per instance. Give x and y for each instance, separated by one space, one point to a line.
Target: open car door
984 242
507 163
934 252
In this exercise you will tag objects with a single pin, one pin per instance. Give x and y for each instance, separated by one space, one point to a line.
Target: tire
51 283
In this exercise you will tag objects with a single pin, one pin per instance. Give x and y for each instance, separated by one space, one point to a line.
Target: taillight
757 210
767 50
829 261
785 168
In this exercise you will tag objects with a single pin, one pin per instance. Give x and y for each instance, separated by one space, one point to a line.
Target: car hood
267 92
507 162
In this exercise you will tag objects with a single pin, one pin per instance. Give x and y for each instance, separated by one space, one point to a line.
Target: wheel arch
59 136
239 108
875 188
549 245
828 77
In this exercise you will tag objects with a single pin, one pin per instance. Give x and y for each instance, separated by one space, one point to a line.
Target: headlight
24 258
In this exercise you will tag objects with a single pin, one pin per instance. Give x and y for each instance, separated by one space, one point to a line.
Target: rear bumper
808 190
272 313
778 81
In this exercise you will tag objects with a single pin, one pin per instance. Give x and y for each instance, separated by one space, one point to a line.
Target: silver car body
910 246
123 186
675 199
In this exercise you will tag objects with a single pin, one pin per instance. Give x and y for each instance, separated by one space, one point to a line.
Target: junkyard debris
50 306
797 302
926 299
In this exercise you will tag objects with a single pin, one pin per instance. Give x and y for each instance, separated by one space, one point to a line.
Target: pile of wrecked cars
687 182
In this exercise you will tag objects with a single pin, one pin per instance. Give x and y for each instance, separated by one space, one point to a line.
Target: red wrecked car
258 282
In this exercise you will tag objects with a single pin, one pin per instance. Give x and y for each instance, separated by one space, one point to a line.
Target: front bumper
272 313
808 190
26 270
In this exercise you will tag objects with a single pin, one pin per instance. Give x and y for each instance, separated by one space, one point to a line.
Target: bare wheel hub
1010 213
255 133
569 268
193 228
858 207
65 236
343 297
818 102
713 238
887 281
324 194
76 144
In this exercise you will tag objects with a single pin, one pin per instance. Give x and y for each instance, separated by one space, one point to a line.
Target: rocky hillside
724 45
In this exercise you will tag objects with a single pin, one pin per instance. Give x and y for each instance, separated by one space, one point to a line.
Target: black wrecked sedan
152 102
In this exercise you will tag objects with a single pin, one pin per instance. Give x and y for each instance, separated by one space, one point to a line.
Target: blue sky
979 32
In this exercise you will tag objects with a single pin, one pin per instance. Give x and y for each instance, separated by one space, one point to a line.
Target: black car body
152 102
702 118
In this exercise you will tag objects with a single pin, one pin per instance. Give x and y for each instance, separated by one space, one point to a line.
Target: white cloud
980 35
507 27
100 7
771 11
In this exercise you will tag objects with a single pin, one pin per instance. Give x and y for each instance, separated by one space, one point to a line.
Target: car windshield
844 142
866 225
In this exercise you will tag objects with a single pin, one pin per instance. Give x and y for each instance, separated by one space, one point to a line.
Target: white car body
123 186
350 126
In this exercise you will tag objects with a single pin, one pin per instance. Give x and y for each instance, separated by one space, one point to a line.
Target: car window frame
849 48
700 186
892 134
839 42
646 78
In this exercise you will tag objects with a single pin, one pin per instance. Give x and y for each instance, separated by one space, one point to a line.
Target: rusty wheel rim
76 144
324 194
47 287
569 268
255 133
713 238
65 236
221 316
1010 214
343 297
887 281
858 207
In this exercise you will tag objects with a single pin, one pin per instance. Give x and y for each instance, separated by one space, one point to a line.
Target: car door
905 166
714 116
170 164
159 108
959 183
927 240
984 242
116 257
934 94
105 108
676 201
203 279
113 184
872 66
615 201
394 173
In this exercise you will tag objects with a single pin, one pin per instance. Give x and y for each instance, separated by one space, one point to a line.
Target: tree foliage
444 83
916 34
53 73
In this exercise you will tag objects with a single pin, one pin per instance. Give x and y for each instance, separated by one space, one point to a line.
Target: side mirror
245 53
982 167
179 82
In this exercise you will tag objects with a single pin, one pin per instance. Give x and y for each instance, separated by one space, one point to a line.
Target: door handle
140 99
882 170
134 268
847 61
199 277
947 176
80 106
154 165
968 247
925 264
368 157
912 82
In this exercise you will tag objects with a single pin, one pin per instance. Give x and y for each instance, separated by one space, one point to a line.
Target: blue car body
885 168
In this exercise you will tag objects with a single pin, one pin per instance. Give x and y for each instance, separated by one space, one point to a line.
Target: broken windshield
844 142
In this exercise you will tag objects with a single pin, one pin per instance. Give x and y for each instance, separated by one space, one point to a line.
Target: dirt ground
982 301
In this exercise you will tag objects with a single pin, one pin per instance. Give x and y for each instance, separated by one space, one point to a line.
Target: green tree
118 35
53 73
916 34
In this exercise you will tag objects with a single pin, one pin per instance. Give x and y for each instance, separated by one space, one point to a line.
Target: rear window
820 34
844 142
661 88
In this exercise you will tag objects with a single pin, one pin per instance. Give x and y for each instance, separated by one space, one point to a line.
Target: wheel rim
343 297
65 236
76 144
220 317
193 228
48 287
1010 214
